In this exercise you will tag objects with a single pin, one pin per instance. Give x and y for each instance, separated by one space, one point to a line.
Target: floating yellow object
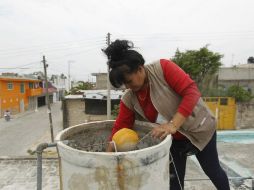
125 139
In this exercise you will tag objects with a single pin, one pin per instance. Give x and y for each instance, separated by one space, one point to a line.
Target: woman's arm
171 127
125 119
183 85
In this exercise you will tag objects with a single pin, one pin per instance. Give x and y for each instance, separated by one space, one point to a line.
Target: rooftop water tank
86 165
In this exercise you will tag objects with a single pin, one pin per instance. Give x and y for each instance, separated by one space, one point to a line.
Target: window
214 99
224 101
211 99
22 88
10 86
31 85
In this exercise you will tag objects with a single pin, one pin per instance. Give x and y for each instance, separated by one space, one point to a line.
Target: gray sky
74 31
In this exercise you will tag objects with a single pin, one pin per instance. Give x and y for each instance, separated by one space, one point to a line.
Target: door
21 105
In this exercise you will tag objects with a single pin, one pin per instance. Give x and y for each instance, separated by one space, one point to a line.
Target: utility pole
47 98
108 86
69 76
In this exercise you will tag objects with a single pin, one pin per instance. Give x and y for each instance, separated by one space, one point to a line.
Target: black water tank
98 106
251 60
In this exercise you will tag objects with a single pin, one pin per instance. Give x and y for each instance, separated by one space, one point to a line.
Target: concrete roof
247 65
97 74
72 96
97 94
21 173
236 159
18 78
236 73
102 94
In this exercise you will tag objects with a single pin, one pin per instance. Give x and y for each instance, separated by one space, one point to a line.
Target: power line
76 53
21 66
63 48
101 39
187 33
62 56
60 45
189 36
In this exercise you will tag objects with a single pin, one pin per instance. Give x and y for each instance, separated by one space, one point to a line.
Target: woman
163 93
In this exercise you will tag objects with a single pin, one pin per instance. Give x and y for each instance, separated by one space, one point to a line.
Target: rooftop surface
235 150
236 159
97 94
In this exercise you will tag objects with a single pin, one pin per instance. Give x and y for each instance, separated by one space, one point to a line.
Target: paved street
27 130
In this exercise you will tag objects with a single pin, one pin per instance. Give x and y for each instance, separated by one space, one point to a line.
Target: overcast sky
74 31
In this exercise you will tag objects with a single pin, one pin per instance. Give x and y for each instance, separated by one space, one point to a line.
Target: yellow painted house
18 94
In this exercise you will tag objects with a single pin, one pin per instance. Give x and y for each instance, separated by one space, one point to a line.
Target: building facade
18 94
101 82
241 75
60 82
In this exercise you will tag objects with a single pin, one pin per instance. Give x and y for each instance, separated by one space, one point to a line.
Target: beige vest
198 127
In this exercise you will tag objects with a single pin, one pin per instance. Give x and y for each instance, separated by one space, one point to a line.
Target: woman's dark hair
122 60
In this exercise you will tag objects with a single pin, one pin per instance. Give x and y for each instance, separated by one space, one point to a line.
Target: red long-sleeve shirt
179 81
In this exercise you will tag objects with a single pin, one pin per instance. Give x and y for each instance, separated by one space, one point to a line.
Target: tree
199 64
84 85
240 94
81 86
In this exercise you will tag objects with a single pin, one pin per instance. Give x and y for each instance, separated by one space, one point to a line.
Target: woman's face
135 81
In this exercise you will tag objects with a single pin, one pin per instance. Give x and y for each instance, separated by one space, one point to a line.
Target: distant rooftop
97 94
237 72
73 96
96 74
12 76
102 94
247 65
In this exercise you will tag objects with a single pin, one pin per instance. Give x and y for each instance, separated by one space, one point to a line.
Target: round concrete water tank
146 168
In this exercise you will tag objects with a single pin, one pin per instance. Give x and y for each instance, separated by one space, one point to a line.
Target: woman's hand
163 130
110 147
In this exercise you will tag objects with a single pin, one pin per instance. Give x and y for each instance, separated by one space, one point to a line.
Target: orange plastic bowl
125 139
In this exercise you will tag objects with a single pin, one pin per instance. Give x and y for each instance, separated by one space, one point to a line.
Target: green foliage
240 94
75 90
115 111
213 92
198 63
81 86
84 85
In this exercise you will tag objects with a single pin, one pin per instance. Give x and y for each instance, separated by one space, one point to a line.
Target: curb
2 158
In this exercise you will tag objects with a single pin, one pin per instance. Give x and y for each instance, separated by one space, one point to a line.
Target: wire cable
172 160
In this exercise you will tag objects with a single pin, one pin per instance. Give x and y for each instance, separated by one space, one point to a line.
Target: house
52 90
242 75
18 94
60 82
91 105
96 101
101 82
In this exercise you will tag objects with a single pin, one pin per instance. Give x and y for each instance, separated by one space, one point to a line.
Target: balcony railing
34 92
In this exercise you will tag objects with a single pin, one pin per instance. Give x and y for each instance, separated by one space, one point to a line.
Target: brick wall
244 116
74 113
